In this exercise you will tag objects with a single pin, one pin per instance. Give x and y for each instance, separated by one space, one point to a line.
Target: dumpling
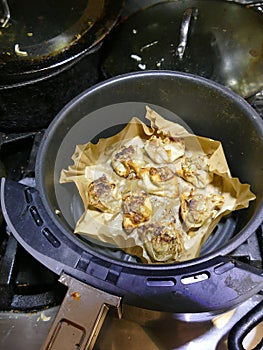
127 161
162 241
137 208
164 150
196 209
195 170
103 195
160 181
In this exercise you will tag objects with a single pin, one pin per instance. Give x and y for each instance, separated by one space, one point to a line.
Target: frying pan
43 221
42 39
193 36
43 47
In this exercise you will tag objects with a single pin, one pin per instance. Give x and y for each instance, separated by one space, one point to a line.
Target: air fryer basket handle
80 317
244 326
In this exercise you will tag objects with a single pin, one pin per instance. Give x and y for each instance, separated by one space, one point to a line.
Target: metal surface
80 317
19 113
44 77
137 329
6 14
187 16
217 46
41 40
244 326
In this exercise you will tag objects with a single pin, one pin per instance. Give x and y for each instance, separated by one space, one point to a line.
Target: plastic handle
244 326
80 317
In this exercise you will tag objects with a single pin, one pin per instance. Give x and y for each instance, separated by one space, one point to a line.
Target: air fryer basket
204 108
44 221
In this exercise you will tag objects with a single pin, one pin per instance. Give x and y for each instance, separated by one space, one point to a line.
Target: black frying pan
59 44
219 40
40 40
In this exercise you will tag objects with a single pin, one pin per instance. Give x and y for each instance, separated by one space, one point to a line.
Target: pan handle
244 326
185 25
80 317
256 5
6 17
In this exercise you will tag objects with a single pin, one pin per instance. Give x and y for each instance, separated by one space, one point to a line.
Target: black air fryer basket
43 222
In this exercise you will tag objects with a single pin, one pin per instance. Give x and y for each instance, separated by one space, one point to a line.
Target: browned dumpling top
161 181
127 161
195 170
137 208
163 241
104 195
197 208
164 149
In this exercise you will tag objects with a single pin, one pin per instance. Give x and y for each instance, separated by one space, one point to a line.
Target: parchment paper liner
92 160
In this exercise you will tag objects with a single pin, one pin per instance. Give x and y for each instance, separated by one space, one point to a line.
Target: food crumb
75 296
20 52
43 317
142 66
136 58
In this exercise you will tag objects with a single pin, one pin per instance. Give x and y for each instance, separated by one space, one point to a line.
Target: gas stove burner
25 284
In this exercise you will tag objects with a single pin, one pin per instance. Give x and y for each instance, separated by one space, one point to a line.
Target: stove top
31 294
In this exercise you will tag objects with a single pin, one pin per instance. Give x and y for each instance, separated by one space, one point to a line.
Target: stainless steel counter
138 329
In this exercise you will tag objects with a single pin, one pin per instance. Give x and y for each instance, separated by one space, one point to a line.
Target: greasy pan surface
217 46
61 34
207 108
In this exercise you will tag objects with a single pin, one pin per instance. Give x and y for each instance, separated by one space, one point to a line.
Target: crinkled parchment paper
91 161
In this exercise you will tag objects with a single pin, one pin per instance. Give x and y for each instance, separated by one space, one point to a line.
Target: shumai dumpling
195 170
127 161
104 195
160 181
137 208
162 241
196 208
164 150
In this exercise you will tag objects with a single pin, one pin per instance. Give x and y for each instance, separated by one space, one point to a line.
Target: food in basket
156 192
